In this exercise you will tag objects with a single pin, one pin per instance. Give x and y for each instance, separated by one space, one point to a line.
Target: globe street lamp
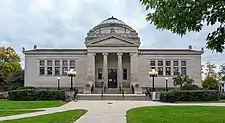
58 82
166 83
153 73
71 73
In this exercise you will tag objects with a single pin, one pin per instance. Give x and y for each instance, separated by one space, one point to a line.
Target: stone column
105 68
133 67
120 69
91 67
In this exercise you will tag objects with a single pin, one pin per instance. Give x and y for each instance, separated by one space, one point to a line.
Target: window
72 62
175 71
168 71
99 73
42 62
175 63
183 63
183 71
160 63
65 62
152 68
57 70
168 63
152 63
49 70
49 62
57 62
64 71
160 71
124 74
42 71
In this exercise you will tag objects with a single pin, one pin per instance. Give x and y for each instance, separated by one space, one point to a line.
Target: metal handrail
103 91
122 90
148 93
132 87
92 88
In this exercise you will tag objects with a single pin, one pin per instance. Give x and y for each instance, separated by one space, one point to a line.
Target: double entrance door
112 78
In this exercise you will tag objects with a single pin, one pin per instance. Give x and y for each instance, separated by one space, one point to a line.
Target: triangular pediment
112 41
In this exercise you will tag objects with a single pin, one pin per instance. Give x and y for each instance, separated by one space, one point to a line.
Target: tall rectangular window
64 71
175 63
168 63
160 71
65 62
99 73
183 71
42 71
57 70
57 62
42 62
183 63
72 63
175 71
49 62
49 70
124 74
152 63
160 63
168 71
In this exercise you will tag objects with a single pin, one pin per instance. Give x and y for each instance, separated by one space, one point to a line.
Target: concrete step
134 97
111 91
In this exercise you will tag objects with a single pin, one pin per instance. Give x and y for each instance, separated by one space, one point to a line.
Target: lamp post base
153 96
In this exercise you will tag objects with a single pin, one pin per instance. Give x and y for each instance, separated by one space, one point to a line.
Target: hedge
34 94
189 95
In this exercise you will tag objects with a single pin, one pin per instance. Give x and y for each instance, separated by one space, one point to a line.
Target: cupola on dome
110 26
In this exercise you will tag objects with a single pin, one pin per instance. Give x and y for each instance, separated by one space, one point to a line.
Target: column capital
105 54
119 54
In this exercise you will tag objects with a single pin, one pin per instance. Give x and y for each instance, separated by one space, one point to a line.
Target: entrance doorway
112 75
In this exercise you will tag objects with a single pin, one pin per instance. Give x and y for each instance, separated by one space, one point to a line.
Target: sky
65 23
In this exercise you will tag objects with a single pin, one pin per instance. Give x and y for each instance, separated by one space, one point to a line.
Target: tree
210 70
16 81
9 62
180 80
182 16
3 84
222 73
210 83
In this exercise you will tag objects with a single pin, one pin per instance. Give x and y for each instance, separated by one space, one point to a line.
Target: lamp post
58 82
153 73
71 73
166 83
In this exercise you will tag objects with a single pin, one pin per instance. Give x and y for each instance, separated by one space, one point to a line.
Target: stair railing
132 88
121 90
103 90
148 93
92 88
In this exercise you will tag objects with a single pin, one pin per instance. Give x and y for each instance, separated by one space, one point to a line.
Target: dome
112 26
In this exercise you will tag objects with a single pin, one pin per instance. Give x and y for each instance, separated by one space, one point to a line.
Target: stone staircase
111 91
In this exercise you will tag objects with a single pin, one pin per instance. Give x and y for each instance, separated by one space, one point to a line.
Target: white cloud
48 23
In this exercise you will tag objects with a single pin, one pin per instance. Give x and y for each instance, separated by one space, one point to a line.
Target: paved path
102 111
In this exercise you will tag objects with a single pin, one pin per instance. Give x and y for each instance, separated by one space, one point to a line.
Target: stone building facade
112 57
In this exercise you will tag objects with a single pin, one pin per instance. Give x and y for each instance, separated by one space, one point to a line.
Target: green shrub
3 95
191 87
189 95
34 94
222 96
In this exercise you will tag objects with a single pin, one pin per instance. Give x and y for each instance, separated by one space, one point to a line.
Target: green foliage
182 16
191 87
180 80
34 94
3 83
222 72
16 81
210 83
191 95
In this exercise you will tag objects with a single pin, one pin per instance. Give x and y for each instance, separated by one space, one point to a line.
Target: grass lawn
7 104
8 107
219 101
60 117
15 112
176 114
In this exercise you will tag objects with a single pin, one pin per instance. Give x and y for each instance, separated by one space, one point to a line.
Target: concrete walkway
102 111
